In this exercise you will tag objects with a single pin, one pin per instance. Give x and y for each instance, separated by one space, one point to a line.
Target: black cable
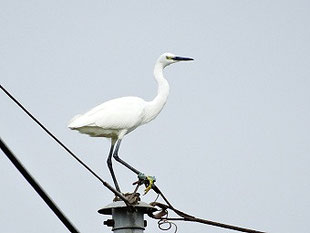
185 217
190 218
37 188
107 185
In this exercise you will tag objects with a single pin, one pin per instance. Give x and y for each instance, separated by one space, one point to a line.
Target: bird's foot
148 181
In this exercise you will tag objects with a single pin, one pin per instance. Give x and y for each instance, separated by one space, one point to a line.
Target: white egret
118 117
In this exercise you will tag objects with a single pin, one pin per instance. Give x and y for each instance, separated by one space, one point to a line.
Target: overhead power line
162 215
106 184
37 188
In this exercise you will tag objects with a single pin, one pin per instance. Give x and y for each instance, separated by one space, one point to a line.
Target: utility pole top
127 219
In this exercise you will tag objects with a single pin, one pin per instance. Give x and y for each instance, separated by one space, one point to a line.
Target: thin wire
156 197
184 216
165 221
107 185
37 188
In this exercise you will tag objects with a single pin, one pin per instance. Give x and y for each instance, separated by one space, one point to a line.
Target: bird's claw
148 181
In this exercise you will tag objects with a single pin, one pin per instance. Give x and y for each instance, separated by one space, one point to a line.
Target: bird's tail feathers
71 125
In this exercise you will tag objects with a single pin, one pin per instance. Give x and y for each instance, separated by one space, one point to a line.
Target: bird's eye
168 57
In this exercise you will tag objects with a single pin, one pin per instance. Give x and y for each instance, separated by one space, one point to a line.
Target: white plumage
118 117
112 118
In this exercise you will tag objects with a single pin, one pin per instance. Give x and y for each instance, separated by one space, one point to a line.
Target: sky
231 144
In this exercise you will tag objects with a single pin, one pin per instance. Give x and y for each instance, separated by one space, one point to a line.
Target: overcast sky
231 144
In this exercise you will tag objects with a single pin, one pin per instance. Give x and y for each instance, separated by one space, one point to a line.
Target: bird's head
169 58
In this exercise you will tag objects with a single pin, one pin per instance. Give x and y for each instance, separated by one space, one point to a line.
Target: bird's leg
148 180
118 159
109 162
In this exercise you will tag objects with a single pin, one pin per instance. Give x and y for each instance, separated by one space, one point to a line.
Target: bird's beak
177 58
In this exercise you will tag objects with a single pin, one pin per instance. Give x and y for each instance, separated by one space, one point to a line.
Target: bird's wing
121 113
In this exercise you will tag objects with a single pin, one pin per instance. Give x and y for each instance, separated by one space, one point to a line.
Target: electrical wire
167 223
163 215
107 185
37 187
164 207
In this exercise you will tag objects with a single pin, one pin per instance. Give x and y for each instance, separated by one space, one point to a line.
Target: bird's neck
154 107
